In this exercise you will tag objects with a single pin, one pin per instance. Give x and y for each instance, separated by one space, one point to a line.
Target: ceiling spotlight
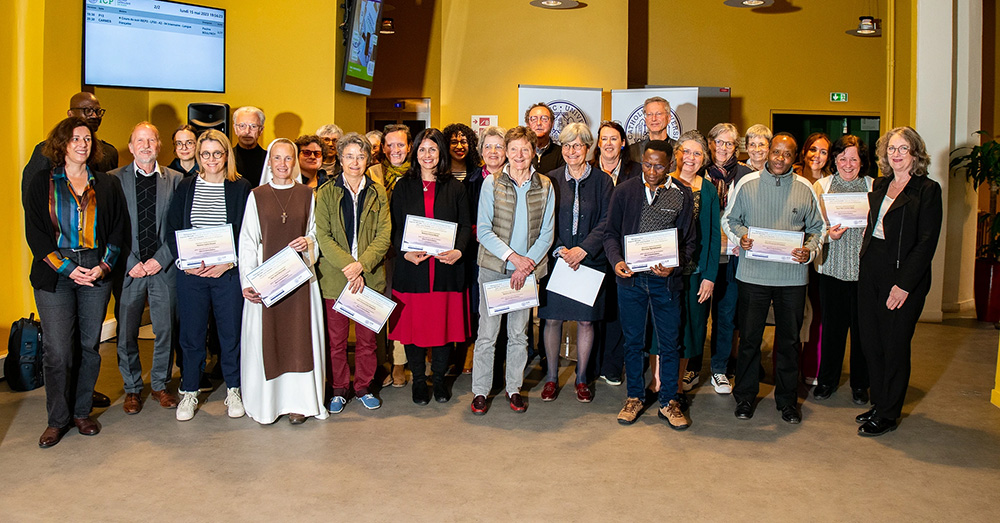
868 26
387 28
555 4
749 3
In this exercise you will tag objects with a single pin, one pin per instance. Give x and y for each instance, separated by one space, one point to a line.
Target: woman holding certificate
76 223
214 199
846 189
432 309
583 195
283 358
904 222
353 232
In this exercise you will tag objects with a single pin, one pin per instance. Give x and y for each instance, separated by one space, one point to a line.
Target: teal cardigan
709 232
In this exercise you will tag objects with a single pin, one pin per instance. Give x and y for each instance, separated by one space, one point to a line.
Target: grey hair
721 128
656 99
576 130
759 131
493 130
354 139
249 109
329 129
374 134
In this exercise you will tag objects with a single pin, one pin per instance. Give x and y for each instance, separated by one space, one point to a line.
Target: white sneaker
234 402
690 380
187 406
721 384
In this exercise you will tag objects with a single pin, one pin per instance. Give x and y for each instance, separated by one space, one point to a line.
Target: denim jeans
724 301
198 298
650 294
72 317
489 328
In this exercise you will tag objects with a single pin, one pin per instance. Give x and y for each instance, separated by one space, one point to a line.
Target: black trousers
416 358
754 301
885 334
839 301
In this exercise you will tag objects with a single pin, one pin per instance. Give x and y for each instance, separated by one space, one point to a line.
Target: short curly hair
354 139
55 145
307 139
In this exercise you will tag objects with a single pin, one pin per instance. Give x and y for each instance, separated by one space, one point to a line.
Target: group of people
521 203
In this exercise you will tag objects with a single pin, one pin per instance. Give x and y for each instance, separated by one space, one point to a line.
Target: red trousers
365 359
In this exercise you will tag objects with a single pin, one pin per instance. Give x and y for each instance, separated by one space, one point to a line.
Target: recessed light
555 4
749 3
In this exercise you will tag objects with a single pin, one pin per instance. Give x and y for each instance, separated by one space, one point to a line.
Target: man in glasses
657 115
88 107
149 270
248 124
653 202
540 119
773 198
330 134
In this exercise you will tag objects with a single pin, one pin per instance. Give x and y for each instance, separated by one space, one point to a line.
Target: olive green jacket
374 237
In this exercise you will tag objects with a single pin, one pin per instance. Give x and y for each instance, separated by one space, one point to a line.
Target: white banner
626 107
569 104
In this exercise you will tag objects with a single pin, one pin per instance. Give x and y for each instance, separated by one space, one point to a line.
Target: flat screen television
362 43
154 44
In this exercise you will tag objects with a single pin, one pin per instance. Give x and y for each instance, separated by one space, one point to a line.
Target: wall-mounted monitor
154 44
362 42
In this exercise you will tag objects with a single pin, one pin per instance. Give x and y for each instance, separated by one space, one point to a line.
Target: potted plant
981 164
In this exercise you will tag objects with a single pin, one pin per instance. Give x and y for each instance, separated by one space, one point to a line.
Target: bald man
149 271
88 107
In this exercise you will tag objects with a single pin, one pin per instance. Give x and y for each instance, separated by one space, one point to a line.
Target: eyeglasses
536 119
184 144
724 143
460 142
212 154
354 157
307 153
756 146
658 167
574 146
658 115
90 111
902 149
245 126
690 152
492 146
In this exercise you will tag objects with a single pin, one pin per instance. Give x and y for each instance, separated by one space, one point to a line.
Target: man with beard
88 107
248 123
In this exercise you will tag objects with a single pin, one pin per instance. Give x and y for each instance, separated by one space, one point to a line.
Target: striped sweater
785 202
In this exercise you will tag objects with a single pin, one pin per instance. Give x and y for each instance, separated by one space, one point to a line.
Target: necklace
426 184
284 215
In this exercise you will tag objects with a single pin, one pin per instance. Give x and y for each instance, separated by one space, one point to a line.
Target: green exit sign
838 97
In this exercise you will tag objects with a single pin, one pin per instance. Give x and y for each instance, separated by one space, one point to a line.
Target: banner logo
565 113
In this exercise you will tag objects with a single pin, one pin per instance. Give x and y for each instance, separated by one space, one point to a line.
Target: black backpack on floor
23 366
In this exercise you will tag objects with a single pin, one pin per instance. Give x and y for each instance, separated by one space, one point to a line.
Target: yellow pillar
995 397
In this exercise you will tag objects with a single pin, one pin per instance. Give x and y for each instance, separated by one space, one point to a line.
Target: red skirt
430 319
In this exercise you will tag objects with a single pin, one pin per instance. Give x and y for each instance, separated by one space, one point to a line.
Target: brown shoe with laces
166 398
133 403
630 412
674 415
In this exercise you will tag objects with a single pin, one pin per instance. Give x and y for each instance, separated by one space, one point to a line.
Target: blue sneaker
337 404
370 402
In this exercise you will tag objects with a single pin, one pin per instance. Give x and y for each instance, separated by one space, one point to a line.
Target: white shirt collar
156 169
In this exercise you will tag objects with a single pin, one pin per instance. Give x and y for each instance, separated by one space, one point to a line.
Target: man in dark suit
149 270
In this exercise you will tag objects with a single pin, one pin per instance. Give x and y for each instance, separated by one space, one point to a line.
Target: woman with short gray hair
583 195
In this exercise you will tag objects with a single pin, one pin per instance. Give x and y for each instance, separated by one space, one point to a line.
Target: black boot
439 365
415 357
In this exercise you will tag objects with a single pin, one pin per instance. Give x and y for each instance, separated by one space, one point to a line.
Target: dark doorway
802 125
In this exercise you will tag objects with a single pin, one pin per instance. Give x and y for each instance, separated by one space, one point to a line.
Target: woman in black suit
904 221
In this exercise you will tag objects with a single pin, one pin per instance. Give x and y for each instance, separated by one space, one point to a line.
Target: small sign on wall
482 121
838 97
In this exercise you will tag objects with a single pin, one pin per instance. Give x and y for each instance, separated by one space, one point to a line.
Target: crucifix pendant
283 217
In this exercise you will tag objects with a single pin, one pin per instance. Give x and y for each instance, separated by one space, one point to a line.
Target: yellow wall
773 62
488 47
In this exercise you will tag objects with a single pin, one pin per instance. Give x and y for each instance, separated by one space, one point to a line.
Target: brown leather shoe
166 398
87 426
51 436
296 419
398 376
133 403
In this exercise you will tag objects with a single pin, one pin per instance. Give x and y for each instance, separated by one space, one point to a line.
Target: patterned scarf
393 173
722 178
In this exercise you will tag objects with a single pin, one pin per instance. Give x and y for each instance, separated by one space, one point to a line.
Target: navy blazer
623 219
911 227
595 199
180 208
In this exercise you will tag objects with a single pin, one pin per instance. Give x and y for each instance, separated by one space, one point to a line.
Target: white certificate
773 244
728 247
581 285
643 251
849 209
501 299
211 245
279 275
367 307
428 235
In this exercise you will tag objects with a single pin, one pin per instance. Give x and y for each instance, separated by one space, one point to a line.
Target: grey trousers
161 290
517 343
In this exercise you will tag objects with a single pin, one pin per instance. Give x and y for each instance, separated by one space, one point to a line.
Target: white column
962 202
933 102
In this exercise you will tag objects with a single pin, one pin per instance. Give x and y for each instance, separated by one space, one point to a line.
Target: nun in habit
283 346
